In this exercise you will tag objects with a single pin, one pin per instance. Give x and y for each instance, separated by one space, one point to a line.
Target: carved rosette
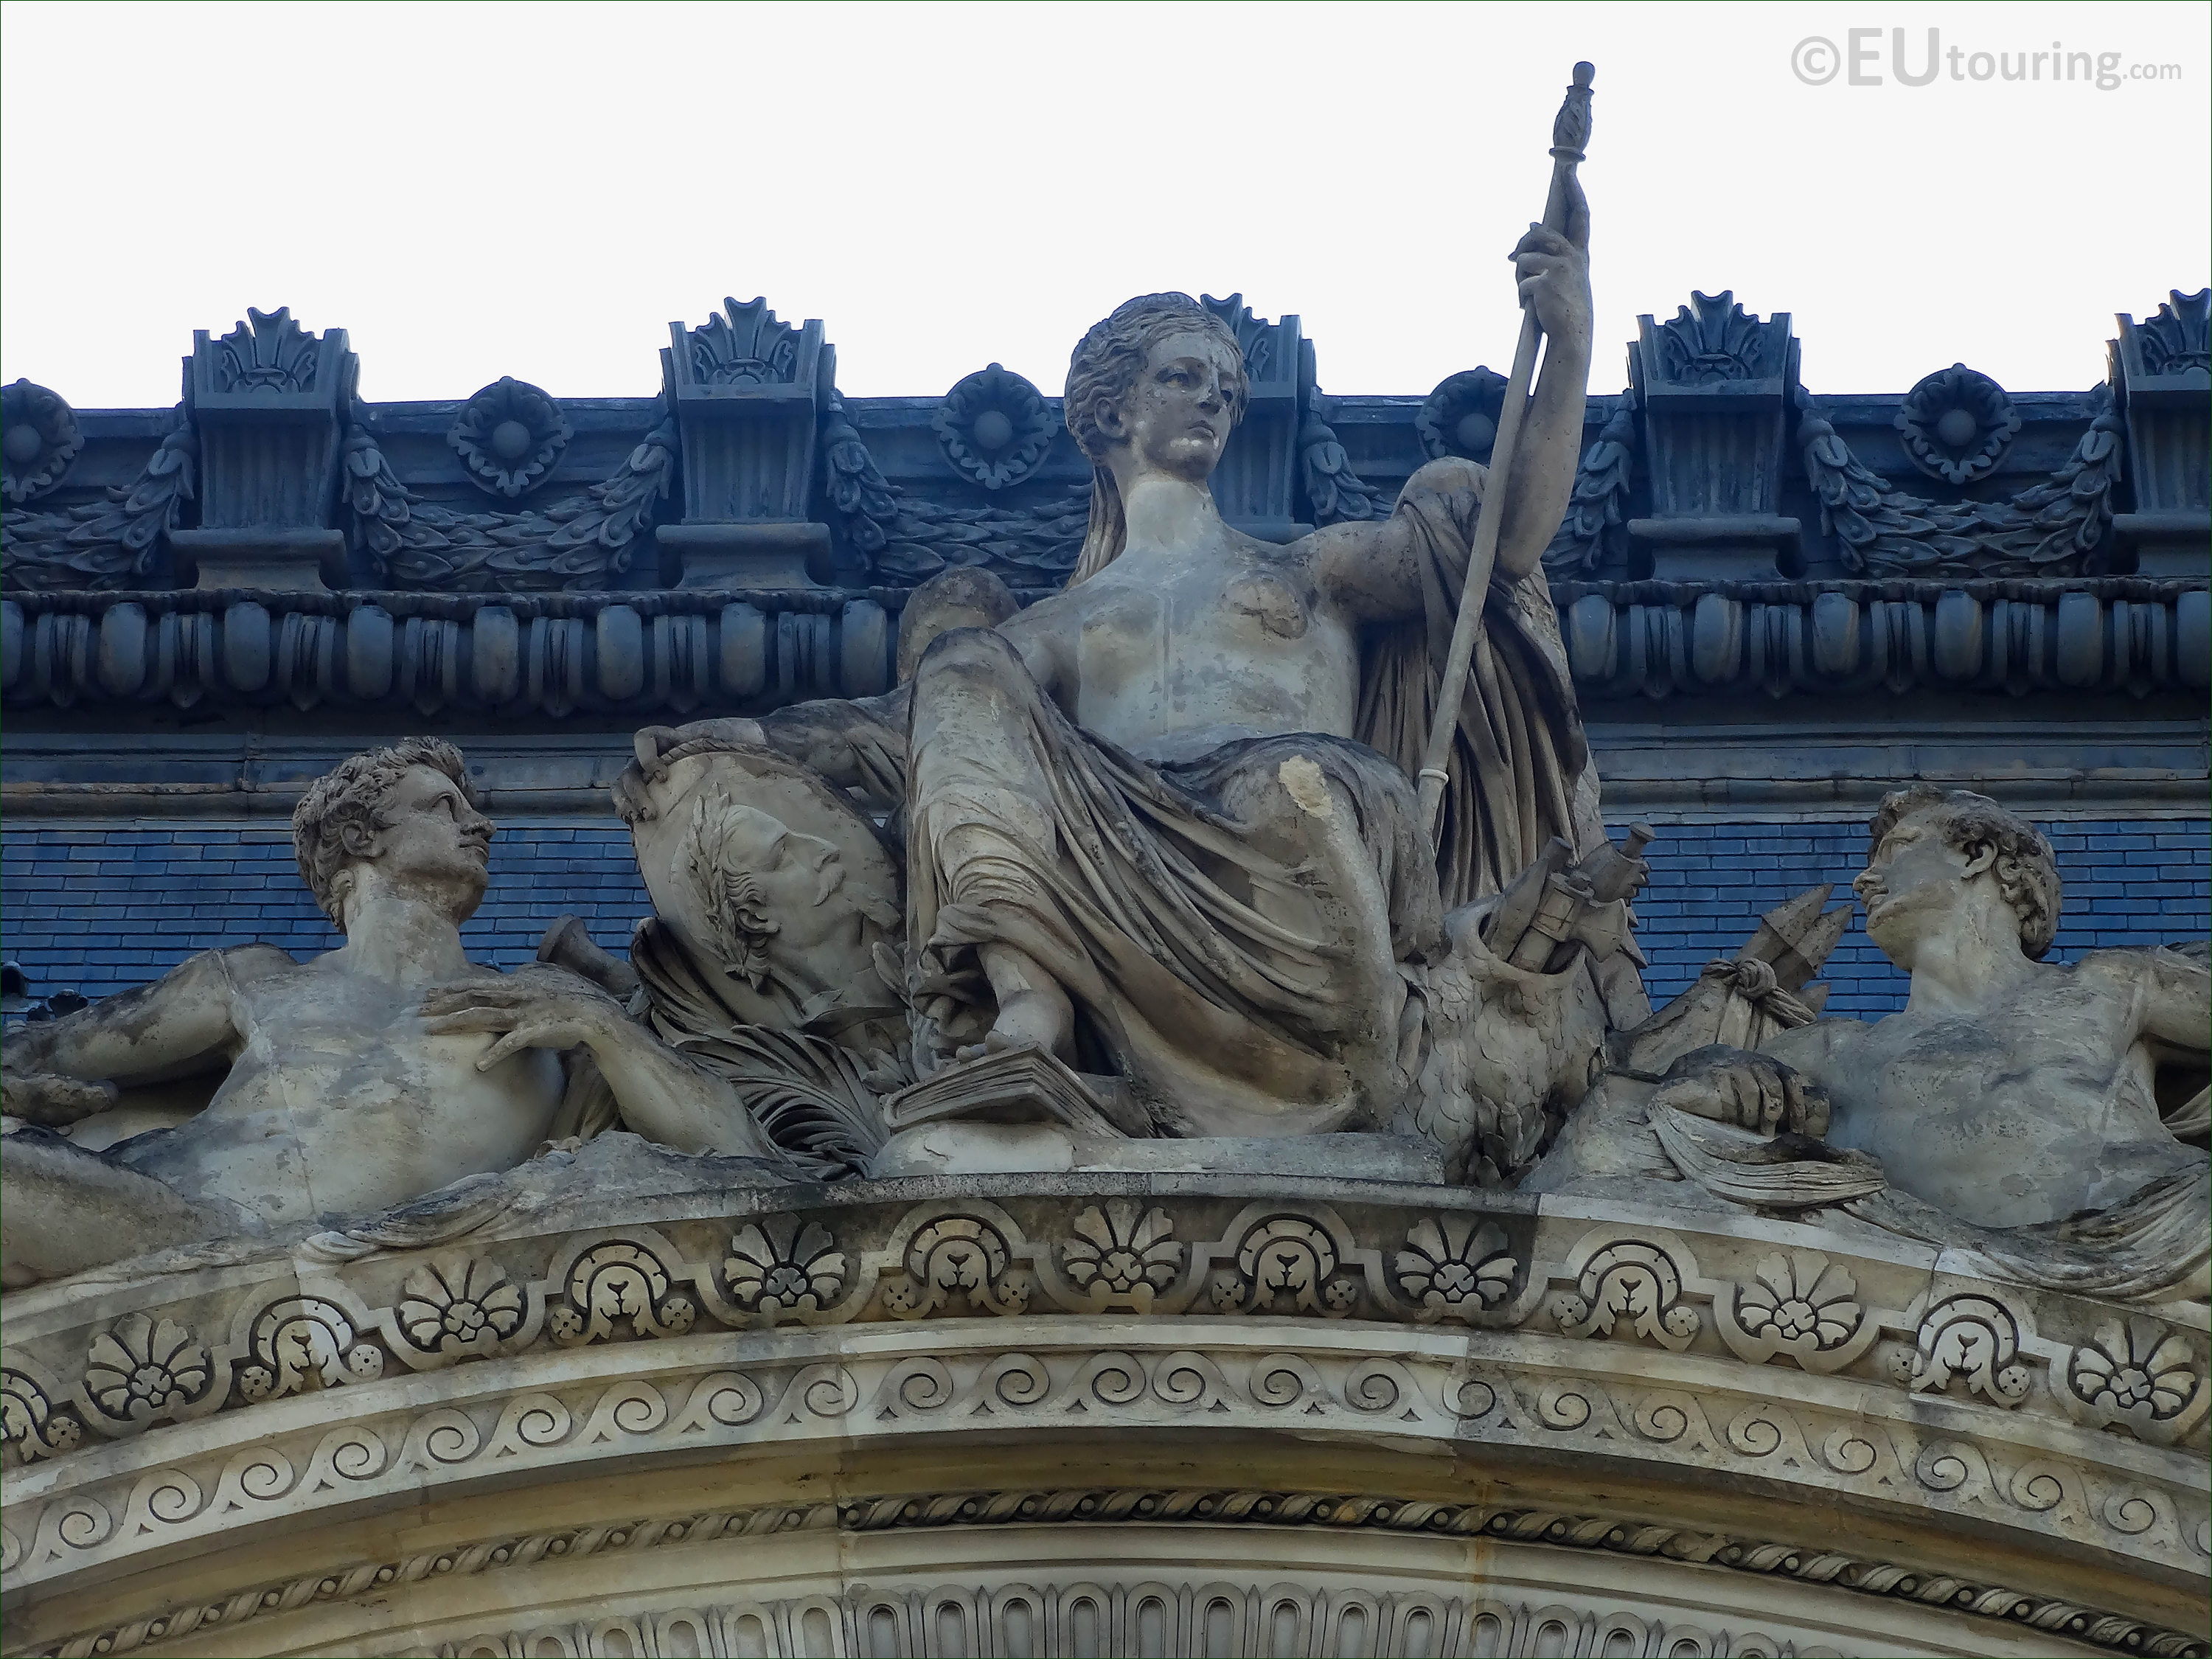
1957 425
141 1371
2138 1374
1120 1258
1460 417
39 438
509 436
994 427
459 1307
1800 1304
784 1268
1454 1268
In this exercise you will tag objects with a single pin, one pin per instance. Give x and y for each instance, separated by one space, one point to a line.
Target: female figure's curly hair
2025 868
1103 372
335 823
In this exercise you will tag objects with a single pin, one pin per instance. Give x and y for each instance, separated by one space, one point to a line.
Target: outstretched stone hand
1749 1090
536 1007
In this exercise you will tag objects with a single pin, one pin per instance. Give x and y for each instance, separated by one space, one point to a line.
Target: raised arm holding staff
1566 214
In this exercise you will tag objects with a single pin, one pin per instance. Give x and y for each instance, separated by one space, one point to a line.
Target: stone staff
1570 131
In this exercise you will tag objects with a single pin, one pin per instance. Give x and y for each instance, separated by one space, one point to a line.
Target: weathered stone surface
372 1075
2045 1122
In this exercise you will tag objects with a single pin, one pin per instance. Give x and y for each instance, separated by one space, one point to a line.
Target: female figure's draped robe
1159 911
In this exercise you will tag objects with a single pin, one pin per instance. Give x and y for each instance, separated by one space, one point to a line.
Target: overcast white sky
538 189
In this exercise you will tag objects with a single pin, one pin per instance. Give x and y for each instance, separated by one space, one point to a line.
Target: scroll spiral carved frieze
581 542
1287 1273
958 1386
39 438
107 544
2057 528
1798 1306
510 435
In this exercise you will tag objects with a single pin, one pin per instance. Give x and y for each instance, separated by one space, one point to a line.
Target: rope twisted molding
1156 1506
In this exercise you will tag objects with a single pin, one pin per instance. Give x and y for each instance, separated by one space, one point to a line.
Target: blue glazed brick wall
101 910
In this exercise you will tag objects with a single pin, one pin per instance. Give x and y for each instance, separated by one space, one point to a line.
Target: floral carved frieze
1416 1266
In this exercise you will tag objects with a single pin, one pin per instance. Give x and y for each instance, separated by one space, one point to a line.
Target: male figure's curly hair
338 820
1103 371
2025 868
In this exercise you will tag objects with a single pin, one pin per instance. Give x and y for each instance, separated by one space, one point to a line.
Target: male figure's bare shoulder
249 964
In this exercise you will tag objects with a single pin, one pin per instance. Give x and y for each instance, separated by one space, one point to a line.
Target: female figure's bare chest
1244 644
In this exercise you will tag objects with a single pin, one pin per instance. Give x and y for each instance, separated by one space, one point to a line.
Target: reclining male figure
359 1079
2007 1091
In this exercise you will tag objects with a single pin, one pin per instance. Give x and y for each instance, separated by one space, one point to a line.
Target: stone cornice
668 655
1860 1381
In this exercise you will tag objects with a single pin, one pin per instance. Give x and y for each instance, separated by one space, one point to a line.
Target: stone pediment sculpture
1082 1158
365 1079
2045 1123
1159 827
